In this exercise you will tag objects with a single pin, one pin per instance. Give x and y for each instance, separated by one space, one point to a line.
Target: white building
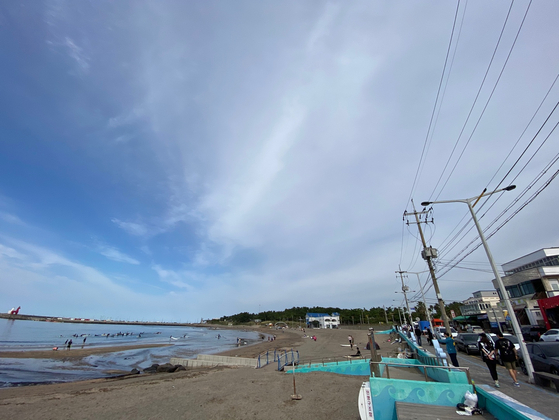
324 320
530 278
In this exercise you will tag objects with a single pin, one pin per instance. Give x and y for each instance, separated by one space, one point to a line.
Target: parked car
467 342
439 332
512 338
550 335
532 332
476 329
544 356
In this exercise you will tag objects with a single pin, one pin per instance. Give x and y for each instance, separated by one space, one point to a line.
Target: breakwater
43 318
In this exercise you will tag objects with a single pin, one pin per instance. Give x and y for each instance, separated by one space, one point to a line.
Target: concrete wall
204 360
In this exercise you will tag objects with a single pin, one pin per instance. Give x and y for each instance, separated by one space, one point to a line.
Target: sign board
452 314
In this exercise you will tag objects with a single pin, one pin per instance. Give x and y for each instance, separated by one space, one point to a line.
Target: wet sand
74 353
216 393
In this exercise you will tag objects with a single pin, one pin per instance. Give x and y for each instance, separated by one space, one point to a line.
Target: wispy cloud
126 118
11 253
132 228
176 278
11 218
115 255
78 54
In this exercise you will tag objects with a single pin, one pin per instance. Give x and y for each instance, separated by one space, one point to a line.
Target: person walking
508 355
417 332
450 349
487 351
429 336
350 339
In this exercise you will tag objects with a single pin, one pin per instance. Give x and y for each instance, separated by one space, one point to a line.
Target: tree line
377 315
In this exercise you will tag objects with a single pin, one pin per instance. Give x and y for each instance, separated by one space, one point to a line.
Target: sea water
23 335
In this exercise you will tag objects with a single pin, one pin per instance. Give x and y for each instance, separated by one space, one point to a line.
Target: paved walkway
544 400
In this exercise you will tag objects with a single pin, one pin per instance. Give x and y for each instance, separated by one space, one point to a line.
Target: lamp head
425 203
510 188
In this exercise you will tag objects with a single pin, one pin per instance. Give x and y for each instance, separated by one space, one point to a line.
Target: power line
477 96
435 105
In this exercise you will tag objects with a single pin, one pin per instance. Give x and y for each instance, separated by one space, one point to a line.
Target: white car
476 329
439 332
550 335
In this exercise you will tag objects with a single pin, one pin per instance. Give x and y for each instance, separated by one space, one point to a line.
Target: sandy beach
215 393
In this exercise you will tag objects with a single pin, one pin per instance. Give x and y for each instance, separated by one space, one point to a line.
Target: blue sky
183 160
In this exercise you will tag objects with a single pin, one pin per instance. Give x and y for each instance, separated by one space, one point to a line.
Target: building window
544 262
527 288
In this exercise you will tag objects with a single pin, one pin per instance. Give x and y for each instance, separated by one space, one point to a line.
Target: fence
282 357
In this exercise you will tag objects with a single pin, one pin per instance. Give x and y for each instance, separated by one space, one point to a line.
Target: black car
532 332
544 356
467 342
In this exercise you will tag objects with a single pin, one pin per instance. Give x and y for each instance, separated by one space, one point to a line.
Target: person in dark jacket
507 352
429 336
417 332
487 351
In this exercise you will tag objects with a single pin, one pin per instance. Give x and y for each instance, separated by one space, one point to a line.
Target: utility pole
424 301
428 254
404 291
385 315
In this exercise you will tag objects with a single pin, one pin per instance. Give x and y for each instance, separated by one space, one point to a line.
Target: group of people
490 352
506 351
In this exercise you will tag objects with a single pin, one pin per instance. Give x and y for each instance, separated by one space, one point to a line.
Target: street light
504 295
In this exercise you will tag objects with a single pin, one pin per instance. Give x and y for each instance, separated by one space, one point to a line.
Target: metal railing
425 367
324 360
284 359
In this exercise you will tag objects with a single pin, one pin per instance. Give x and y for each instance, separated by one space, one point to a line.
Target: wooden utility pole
428 254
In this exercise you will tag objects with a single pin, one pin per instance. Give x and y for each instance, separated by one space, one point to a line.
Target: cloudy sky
168 160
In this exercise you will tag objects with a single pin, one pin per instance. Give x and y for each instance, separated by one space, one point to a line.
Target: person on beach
450 349
358 354
69 344
487 351
508 354
350 339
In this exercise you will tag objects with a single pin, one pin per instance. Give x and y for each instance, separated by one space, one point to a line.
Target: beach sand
214 393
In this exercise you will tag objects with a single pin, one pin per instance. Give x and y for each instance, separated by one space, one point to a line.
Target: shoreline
210 392
76 353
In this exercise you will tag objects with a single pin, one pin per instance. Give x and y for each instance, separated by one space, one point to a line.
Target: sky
178 161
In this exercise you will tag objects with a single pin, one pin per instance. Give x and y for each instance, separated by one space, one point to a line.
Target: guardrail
283 359
425 368
264 356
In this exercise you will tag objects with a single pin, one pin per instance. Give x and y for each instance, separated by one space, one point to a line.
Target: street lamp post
504 295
